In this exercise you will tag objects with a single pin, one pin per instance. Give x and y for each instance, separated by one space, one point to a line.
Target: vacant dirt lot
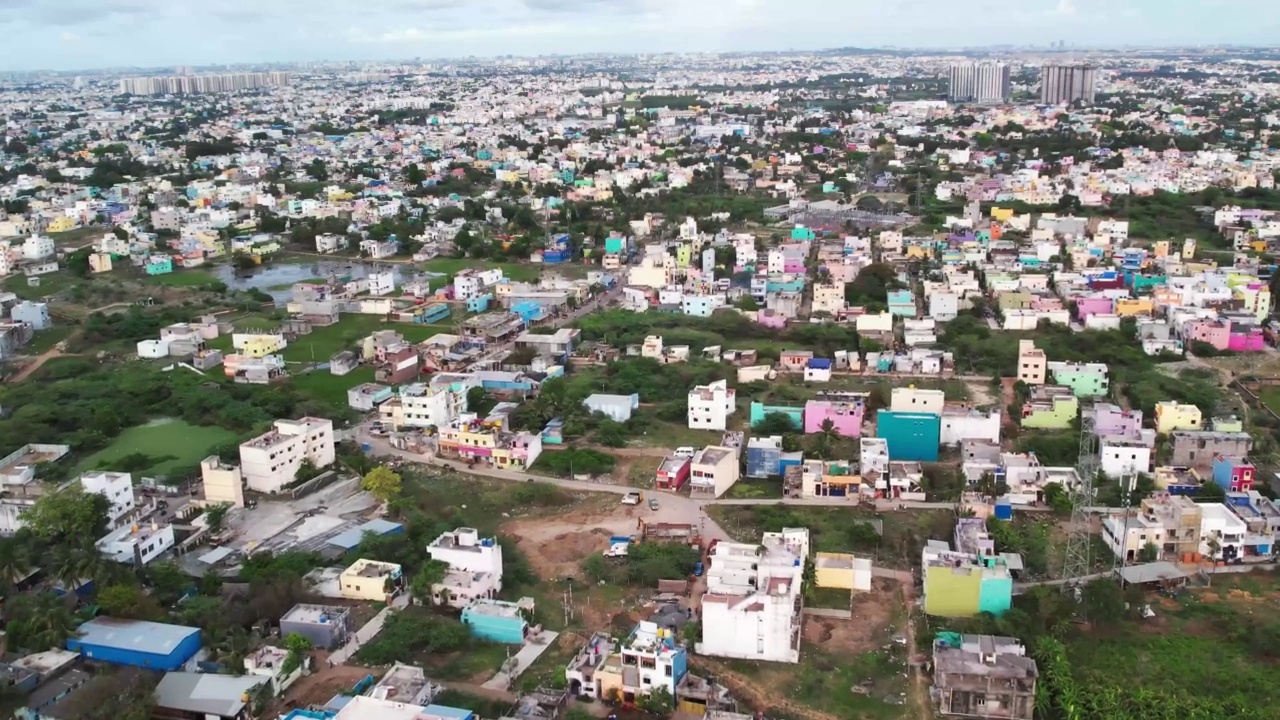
866 631
557 545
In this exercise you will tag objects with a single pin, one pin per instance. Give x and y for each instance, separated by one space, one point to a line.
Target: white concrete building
37 247
1123 458
382 283
962 424
222 483
711 405
116 487
753 606
137 544
1217 522
420 405
271 460
475 567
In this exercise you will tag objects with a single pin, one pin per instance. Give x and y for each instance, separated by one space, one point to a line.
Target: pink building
771 319
1215 332
1250 340
845 417
1094 305
1046 304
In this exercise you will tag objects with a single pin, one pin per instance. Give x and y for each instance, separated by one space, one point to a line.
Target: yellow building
100 262
1172 415
843 571
917 251
1188 248
1160 248
1132 307
370 580
1002 214
61 224
257 345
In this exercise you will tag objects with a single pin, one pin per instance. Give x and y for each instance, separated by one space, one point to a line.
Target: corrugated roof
351 538
205 693
136 635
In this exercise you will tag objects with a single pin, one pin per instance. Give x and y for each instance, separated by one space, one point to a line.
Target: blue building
764 456
445 712
902 303
911 435
479 303
136 643
528 310
495 620
434 313
351 538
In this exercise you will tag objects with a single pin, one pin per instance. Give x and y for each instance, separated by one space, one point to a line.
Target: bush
412 631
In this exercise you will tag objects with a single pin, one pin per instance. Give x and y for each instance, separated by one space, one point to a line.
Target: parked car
697 569
653 503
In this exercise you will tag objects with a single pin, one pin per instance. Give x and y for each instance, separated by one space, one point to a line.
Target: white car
631 498
685 452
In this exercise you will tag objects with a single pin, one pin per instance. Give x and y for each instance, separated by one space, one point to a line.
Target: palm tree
14 563
73 565
45 622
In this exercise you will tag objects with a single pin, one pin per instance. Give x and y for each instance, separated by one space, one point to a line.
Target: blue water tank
1004 510
366 447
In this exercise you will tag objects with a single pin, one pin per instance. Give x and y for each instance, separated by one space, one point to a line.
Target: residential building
615 407
1127 533
258 345
366 397
845 417
713 471
271 461
910 435
1050 407
961 424
135 643
1085 379
764 456
475 567
648 659
1233 474
1180 519
1198 448
753 606
420 405
917 400
983 676
1066 84
116 487
498 620
1172 415
1123 458
1032 363
673 473
35 314
984 82
711 405
222 483
326 626
470 438
968 580
1225 529
269 663
137 544
371 580
843 571
759 411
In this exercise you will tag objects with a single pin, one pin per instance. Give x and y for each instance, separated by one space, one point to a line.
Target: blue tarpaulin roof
351 538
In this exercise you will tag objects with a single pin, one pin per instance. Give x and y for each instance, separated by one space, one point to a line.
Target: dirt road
30 369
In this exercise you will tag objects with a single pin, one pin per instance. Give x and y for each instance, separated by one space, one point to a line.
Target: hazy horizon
88 34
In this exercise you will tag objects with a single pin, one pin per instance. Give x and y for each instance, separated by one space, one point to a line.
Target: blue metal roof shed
351 538
136 643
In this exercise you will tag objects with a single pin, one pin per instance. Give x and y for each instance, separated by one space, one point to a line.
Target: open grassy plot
321 343
331 389
172 443
50 284
516 271
79 236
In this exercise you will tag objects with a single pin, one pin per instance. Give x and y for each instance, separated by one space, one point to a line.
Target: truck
631 498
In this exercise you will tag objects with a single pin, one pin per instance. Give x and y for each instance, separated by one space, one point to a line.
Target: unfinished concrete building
983 676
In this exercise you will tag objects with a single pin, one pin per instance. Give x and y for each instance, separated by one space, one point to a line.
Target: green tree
657 701
774 423
1149 553
215 514
39 622
432 572
383 483
71 512
611 433
15 563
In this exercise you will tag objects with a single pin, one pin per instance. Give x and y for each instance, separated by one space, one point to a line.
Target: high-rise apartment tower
1066 84
985 82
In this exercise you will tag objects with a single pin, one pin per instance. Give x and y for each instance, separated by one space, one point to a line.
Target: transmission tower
1077 565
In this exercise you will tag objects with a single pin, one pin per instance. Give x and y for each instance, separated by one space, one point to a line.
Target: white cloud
1066 7
69 37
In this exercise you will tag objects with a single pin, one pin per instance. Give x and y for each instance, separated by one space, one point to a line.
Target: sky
83 34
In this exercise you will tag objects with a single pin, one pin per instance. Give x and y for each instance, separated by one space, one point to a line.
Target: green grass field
331 389
50 284
182 278
320 344
179 443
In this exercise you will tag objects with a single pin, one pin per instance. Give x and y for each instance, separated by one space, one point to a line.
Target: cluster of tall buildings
197 84
1061 84
984 82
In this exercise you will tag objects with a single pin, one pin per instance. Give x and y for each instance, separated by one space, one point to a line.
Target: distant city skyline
87 34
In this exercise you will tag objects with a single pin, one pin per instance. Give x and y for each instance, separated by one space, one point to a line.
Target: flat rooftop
315 614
